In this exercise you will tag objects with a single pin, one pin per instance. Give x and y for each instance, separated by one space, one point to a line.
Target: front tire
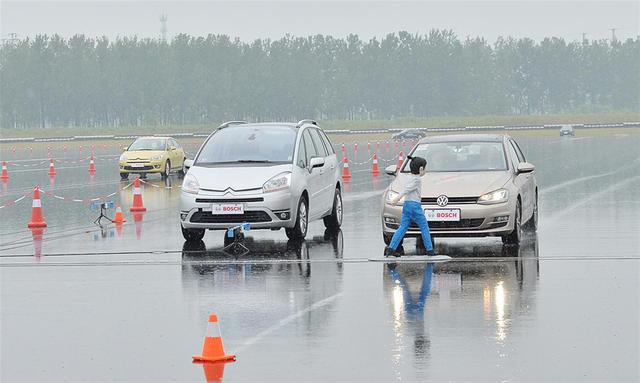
299 231
182 170
192 235
515 236
532 224
334 220
167 169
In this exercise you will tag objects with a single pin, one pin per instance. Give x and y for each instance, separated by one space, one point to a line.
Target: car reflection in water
273 280
442 298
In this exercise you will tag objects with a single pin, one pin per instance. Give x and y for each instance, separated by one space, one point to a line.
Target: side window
518 151
327 143
321 150
514 157
302 154
311 149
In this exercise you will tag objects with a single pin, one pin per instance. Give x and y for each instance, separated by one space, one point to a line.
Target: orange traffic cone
400 161
355 147
52 168
137 197
213 350
346 174
92 166
369 147
5 173
36 211
118 217
375 170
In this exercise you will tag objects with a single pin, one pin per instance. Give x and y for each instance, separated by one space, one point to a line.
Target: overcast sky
272 19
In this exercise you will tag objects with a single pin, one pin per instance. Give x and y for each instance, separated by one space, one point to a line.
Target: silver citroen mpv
269 175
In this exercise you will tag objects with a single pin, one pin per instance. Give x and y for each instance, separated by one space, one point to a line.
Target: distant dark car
567 130
408 134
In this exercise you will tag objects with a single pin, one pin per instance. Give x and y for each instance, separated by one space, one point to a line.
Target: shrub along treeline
51 81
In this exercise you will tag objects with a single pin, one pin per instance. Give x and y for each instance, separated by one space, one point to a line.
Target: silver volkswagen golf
476 185
270 175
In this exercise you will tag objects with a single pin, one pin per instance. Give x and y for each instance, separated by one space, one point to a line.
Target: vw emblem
442 200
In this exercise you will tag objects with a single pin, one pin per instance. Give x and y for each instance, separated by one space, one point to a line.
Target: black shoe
389 252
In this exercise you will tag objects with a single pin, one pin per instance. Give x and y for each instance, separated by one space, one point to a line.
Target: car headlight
123 158
190 184
280 182
496 196
391 195
156 158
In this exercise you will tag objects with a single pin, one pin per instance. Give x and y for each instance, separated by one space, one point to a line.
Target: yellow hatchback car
152 155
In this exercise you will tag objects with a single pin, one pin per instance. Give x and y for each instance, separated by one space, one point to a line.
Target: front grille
229 200
146 167
452 200
443 225
248 216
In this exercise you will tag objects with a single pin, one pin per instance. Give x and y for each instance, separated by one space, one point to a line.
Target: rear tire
515 236
192 235
124 176
182 170
334 220
299 231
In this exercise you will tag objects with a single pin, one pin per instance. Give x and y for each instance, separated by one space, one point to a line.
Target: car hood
456 184
141 154
238 178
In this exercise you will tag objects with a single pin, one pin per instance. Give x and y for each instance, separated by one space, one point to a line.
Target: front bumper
475 220
148 167
261 210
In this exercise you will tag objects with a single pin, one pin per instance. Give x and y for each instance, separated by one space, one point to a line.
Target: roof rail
229 123
303 122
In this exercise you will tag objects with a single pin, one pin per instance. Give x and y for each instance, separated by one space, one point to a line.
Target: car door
314 177
178 154
520 180
328 186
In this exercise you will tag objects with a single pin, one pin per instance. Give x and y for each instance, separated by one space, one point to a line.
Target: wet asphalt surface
131 303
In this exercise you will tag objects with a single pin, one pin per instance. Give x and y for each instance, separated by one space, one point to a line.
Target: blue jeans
412 212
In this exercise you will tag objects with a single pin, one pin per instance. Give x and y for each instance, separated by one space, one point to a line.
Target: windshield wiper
254 161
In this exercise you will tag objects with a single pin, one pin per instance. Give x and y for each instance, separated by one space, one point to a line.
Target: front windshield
148 144
461 156
251 144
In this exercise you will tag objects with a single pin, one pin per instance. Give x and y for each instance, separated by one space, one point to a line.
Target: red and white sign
442 214
227 208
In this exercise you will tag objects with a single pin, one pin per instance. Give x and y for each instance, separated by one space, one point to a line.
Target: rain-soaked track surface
132 304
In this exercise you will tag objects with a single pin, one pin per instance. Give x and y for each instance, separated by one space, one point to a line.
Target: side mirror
124 148
391 170
316 162
188 164
172 148
525 167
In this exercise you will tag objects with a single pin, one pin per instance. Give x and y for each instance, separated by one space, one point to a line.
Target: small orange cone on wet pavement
92 166
36 211
52 168
137 197
400 161
213 350
375 170
118 218
5 172
346 174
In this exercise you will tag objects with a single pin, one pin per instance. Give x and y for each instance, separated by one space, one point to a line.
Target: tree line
81 81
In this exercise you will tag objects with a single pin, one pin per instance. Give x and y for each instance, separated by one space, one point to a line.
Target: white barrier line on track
286 321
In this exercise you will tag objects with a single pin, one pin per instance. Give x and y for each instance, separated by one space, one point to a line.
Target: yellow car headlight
156 158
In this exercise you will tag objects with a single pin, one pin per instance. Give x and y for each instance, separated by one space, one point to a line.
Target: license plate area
227 208
442 215
136 165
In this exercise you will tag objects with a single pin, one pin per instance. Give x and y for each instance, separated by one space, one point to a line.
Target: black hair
416 163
